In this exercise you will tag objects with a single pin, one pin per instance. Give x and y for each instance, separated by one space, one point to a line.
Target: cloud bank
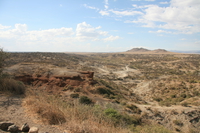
63 39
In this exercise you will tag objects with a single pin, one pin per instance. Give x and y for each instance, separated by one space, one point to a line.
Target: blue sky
99 25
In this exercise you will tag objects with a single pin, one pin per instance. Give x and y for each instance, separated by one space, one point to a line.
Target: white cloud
181 16
21 27
111 38
106 4
126 13
90 7
4 27
164 2
160 31
61 39
85 31
149 0
104 13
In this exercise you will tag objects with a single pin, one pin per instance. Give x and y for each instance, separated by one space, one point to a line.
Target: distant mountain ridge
138 50
147 50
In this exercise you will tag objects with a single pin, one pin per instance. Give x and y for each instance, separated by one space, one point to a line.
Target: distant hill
143 50
159 50
138 50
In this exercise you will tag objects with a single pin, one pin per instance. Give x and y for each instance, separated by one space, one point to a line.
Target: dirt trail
12 110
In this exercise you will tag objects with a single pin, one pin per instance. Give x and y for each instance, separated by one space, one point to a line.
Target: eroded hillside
163 88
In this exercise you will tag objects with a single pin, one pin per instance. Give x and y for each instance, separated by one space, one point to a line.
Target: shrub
134 108
3 56
85 100
77 89
185 104
158 99
178 122
121 118
103 90
75 95
183 95
12 86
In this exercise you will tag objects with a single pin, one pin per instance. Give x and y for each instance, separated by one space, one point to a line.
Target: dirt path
12 110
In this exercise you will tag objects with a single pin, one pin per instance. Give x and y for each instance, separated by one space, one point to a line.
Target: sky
99 25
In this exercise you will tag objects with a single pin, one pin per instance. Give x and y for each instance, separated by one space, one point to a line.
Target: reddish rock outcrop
62 80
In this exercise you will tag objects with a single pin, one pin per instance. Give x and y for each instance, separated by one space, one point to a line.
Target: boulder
25 128
13 128
33 130
4 125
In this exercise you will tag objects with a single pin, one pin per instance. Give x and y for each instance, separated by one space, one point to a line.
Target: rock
13 128
33 130
4 125
25 128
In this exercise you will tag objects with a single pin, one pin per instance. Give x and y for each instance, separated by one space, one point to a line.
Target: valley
152 87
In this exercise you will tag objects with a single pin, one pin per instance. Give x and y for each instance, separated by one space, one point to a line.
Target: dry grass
12 86
76 117
151 129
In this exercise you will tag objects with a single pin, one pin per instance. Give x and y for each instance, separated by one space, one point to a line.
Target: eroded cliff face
50 77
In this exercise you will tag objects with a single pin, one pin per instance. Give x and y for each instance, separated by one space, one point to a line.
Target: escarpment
41 76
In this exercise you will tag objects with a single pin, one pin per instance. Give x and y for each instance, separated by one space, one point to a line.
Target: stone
25 128
4 125
33 130
13 128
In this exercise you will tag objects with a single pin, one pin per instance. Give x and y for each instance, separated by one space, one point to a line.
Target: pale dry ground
11 109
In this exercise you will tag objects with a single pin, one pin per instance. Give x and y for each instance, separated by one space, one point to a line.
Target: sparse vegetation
85 100
137 86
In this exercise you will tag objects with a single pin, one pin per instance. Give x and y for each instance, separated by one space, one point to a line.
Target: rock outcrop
11 127
50 76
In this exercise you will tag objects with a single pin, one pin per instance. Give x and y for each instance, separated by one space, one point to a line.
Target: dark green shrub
75 95
185 104
78 89
134 108
158 99
173 96
124 119
178 122
85 100
183 95
103 90
112 113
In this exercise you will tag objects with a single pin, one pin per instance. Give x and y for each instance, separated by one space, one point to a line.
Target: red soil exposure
75 79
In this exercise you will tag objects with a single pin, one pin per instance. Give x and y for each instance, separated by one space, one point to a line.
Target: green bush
124 119
85 100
